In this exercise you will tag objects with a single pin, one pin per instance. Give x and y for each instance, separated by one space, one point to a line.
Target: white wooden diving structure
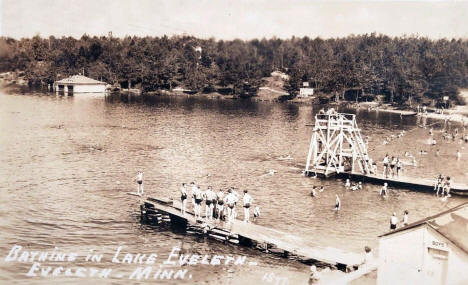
336 146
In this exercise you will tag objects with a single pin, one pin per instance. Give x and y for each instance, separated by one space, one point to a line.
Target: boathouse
80 84
430 251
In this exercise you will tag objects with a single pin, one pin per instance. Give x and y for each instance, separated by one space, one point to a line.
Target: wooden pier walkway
408 182
411 183
250 234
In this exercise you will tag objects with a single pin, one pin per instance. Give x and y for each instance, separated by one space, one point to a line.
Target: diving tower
336 146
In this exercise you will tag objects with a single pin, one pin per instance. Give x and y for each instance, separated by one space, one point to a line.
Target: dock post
245 241
178 223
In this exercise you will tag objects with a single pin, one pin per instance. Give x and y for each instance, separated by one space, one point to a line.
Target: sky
223 19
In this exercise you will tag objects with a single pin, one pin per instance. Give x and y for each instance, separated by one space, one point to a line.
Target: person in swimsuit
398 167
313 193
220 205
360 185
392 166
385 165
236 199
446 188
198 201
183 198
383 190
337 203
256 213
230 203
314 276
209 197
393 222
192 194
139 179
214 200
438 184
405 218
347 184
321 188
247 202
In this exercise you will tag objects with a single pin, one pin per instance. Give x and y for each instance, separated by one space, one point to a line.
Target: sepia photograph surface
233 142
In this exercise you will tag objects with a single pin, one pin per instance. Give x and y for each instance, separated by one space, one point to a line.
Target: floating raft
252 235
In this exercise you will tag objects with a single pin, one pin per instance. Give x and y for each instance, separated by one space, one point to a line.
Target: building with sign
430 251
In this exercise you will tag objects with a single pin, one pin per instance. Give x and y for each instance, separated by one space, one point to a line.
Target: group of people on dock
219 205
391 166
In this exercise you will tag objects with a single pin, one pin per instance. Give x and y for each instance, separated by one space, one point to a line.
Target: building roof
80 80
452 224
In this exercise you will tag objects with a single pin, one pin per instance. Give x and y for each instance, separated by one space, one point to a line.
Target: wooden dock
411 183
252 235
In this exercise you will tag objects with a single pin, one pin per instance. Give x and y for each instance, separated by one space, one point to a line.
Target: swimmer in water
383 190
313 193
337 203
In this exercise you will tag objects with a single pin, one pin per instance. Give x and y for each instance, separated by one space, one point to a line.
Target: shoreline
456 114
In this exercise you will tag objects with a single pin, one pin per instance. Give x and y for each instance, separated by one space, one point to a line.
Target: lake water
66 164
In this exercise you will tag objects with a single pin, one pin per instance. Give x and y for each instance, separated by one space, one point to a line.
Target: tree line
403 69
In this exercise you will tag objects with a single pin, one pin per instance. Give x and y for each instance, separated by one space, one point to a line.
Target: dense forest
404 69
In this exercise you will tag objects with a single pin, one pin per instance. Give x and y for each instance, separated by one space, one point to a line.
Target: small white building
306 91
80 84
431 251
